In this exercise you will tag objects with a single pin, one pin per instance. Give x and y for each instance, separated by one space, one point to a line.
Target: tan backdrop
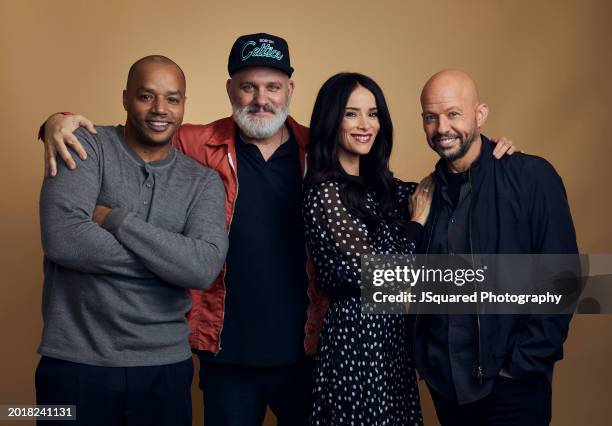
543 67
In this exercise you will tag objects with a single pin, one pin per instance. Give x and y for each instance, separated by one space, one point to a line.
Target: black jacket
518 206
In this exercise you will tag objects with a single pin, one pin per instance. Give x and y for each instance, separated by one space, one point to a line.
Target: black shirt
266 281
452 345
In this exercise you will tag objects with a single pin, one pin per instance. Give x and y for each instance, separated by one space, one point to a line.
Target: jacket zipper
433 225
229 228
479 369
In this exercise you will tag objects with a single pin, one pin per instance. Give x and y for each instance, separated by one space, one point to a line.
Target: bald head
154 99
452 117
140 65
450 84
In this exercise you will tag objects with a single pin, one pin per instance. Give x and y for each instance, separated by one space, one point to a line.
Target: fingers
60 146
427 185
503 147
50 162
75 145
47 169
85 122
421 199
498 148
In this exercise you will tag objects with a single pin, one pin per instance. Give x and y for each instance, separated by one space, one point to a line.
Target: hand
420 201
100 213
59 129
504 373
503 147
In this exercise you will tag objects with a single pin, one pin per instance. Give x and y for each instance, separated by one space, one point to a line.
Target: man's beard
260 128
464 145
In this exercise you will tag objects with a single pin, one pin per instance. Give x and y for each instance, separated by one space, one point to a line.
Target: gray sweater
116 294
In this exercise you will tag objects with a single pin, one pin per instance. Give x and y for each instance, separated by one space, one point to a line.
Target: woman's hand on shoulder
420 201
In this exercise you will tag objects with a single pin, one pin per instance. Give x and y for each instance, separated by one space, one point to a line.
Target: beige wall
544 68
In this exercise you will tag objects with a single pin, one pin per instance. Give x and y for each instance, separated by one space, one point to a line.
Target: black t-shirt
266 281
455 181
452 344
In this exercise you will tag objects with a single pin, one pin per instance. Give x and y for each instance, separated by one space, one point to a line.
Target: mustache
438 136
257 108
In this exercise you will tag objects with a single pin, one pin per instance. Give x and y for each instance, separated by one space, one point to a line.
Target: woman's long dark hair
323 162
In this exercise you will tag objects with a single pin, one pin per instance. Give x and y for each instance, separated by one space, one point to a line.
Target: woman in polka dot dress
353 206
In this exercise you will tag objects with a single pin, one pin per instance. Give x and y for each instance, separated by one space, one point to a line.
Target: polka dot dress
364 374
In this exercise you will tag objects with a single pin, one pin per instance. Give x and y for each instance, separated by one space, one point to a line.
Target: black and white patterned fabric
364 373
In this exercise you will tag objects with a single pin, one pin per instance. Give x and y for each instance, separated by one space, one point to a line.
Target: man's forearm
185 261
90 249
69 236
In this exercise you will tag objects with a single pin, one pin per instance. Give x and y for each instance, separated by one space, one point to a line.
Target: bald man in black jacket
488 369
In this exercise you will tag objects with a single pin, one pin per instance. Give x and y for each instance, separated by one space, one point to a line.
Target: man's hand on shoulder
59 135
503 147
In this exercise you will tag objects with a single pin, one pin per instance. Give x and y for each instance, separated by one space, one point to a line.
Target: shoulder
323 189
93 143
195 170
300 132
322 194
206 128
535 175
188 133
530 167
404 187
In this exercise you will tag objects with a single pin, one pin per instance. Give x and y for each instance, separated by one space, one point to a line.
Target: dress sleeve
411 233
337 239
404 191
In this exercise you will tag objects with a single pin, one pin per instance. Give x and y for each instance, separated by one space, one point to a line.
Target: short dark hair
153 58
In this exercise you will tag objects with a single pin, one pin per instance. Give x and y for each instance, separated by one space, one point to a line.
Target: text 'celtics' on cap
259 50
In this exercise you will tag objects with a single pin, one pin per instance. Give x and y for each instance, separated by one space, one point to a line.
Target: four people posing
258 305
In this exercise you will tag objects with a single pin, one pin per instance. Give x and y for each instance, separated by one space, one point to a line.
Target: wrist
114 219
420 220
41 129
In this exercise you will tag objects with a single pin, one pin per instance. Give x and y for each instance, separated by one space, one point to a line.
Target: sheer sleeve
404 191
410 234
336 238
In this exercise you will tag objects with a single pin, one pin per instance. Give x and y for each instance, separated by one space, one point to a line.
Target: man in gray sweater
124 236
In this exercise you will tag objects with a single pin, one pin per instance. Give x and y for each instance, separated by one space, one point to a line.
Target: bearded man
255 328
488 369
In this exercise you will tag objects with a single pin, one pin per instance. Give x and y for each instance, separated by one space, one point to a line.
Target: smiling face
359 125
452 115
260 100
155 102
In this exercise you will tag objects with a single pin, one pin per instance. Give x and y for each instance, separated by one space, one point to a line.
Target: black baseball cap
259 50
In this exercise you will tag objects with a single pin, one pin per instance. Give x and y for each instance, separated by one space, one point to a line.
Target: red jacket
214 145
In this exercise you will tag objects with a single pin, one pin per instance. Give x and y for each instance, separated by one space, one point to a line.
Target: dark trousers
237 395
122 396
512 402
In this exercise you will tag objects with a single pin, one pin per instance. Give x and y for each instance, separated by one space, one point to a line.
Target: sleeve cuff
114 219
